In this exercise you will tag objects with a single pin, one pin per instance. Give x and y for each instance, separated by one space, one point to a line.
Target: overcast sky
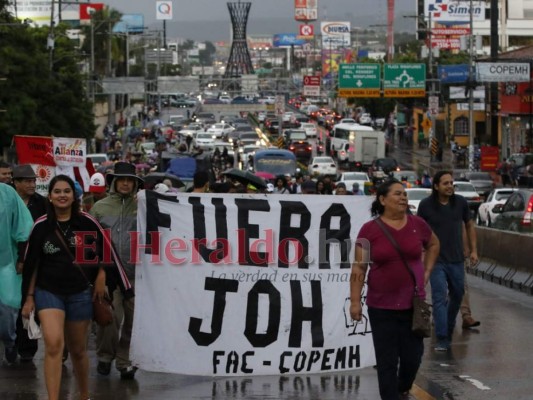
187 11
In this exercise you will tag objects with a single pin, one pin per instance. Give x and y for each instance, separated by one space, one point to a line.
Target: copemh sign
404 80
502 72
359 80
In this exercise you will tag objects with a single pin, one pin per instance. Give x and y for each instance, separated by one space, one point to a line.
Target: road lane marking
475 382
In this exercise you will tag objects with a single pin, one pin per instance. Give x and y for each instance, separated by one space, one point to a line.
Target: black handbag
102 309
421 325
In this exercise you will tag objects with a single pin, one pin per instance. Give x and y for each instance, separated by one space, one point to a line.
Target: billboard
130 23
163 10
305 10
335 34
455 11
453 73
287 39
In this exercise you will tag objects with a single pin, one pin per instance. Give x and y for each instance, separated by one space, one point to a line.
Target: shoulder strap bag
102 310
421 325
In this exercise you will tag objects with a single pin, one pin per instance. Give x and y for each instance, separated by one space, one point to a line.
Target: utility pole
110 97
471 164
432 134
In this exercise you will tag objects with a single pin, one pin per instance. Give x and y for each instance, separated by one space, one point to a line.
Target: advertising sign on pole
311 85
305 10
502 72
456 11
335 35
433 105
163 10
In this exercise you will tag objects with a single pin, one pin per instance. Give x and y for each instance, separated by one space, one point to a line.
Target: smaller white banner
459 92
312 91
464 107
164 10
70 152
44 174
502 72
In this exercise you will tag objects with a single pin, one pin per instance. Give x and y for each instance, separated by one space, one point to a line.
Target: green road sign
359 80
404 80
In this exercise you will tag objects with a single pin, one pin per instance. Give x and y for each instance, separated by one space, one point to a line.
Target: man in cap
97 191
118 212
16 223
5 172
25 183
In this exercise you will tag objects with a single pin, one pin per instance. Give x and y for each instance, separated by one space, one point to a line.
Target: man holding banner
118 213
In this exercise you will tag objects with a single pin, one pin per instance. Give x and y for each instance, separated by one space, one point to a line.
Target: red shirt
390 285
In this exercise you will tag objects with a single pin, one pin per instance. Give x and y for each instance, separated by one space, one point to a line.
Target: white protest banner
70 152
231 285
44 173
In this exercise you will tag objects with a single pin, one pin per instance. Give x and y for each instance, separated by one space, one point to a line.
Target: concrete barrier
506 258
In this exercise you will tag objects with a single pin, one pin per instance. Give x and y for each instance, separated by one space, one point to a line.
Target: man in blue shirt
446 212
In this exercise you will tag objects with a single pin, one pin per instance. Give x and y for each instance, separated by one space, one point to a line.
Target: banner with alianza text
51 156
244 284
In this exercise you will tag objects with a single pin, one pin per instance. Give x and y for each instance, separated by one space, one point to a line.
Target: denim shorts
77 307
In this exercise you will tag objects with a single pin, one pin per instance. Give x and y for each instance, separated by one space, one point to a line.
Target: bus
357 145
275 161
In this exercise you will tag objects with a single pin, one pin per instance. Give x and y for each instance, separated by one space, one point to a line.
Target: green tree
41 95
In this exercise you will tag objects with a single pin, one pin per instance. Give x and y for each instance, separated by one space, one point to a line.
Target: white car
220 130
205 140
468 191
485 216
415 196
309 128
98 158
225 99
191 130
323 166
349 178
347 121
289 116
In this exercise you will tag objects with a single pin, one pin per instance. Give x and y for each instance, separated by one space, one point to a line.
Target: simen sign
248 284
502 72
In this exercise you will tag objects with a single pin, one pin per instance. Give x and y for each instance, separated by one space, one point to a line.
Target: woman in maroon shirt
391 287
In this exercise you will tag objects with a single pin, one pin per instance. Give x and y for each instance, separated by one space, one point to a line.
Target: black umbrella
154 178
246 177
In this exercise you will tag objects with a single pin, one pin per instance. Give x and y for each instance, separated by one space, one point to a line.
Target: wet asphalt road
492 362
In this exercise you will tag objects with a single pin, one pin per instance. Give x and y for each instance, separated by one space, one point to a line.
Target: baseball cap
97 183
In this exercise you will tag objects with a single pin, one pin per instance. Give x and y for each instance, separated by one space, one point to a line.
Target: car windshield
418 194
217 126
204 136
502 195
464 187
323 160
298 136
355 176
479 176
251 135
386 163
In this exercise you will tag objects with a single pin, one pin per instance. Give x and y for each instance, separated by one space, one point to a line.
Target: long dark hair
75 208
436 181
382 190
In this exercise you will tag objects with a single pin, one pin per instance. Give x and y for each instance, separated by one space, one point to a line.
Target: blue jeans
447 290
8 325
398 351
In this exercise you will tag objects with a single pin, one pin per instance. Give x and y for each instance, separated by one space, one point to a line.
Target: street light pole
471 164
91 77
